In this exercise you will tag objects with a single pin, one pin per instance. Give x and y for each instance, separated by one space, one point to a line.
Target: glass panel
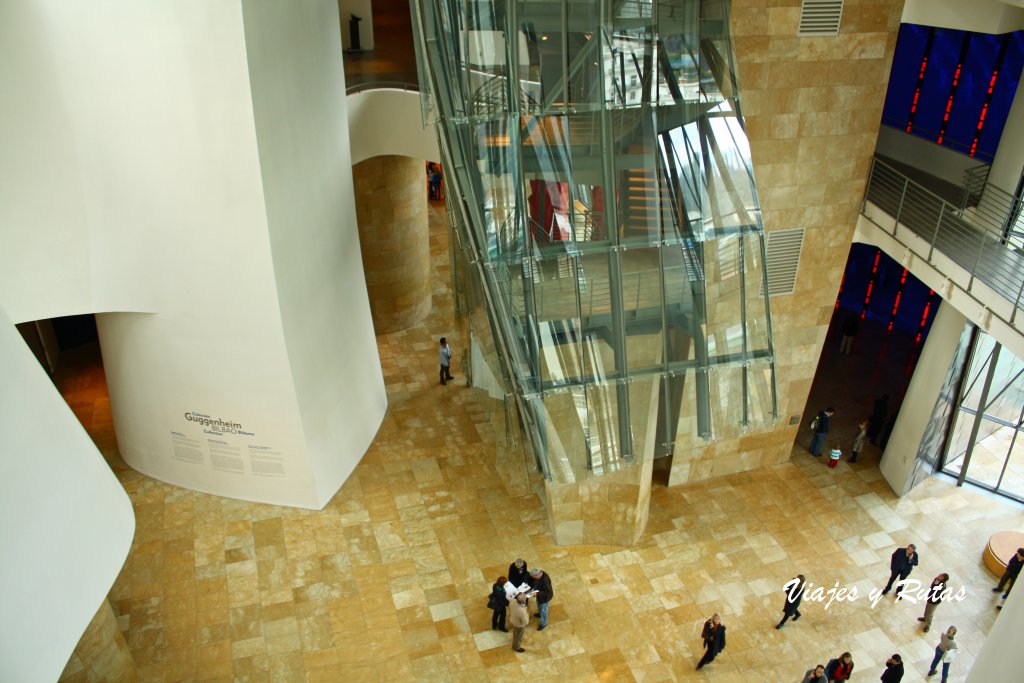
642 195
544 42
642 304
564 414
603 427
596 312
1013 478
761 390
559 325
728 398
644 403
584 57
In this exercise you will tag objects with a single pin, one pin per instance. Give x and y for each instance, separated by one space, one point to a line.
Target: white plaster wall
170 234
916 409
66 524
38 277
389 122
1009 160
298 91
980 16
1001 657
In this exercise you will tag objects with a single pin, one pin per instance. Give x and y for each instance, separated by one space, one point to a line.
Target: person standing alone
902 563
445 358
713 636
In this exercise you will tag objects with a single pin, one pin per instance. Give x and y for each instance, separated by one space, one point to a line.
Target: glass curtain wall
985 444
600 182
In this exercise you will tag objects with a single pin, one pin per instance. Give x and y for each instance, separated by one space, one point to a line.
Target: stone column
391 205
102 655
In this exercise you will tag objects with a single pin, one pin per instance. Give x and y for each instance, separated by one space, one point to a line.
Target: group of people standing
874 429
901 564
510 597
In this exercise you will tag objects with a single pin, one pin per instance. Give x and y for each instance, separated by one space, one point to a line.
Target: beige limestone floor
389 581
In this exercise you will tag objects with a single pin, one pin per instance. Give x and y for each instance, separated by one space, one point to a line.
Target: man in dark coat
1012 571
541 582
714 639
893 670
794 590
903 562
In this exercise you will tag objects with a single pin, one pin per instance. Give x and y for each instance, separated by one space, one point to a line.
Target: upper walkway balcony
971 252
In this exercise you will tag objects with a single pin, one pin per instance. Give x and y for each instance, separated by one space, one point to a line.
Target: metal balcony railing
982 240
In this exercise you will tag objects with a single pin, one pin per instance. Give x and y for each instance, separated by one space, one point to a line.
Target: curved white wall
66 524
181 166
383 122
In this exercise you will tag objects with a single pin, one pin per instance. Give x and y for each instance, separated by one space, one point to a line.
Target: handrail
381 85
991 255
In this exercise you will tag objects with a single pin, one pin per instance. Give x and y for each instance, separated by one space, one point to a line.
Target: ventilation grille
820 17
783 260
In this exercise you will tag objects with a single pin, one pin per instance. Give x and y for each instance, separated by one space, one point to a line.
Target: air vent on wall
783 260
820 17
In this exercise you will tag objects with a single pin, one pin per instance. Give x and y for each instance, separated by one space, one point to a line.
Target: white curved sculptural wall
183 170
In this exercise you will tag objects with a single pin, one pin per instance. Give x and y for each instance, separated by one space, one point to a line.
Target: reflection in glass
602 184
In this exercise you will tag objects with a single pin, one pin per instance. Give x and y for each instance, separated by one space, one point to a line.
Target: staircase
645 208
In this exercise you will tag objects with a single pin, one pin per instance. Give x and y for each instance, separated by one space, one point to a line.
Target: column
391 206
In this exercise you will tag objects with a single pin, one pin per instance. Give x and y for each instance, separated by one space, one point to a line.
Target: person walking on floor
838 670
794 590
713 636
519 619
893 670
933 600
541 582
498 602
877 419
1009 587
945 652
445 358
815 675
821 425
902 563
858 441
1010 575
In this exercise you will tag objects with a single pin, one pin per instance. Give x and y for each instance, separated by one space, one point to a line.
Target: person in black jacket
794 590
893 670
541 582
518 574
714 639
498 602
903 562
1011 573
821 430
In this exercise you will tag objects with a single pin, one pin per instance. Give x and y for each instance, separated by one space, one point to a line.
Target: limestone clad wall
391 203
102 655
812 108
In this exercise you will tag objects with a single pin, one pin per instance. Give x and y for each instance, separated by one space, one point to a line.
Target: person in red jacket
840 668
